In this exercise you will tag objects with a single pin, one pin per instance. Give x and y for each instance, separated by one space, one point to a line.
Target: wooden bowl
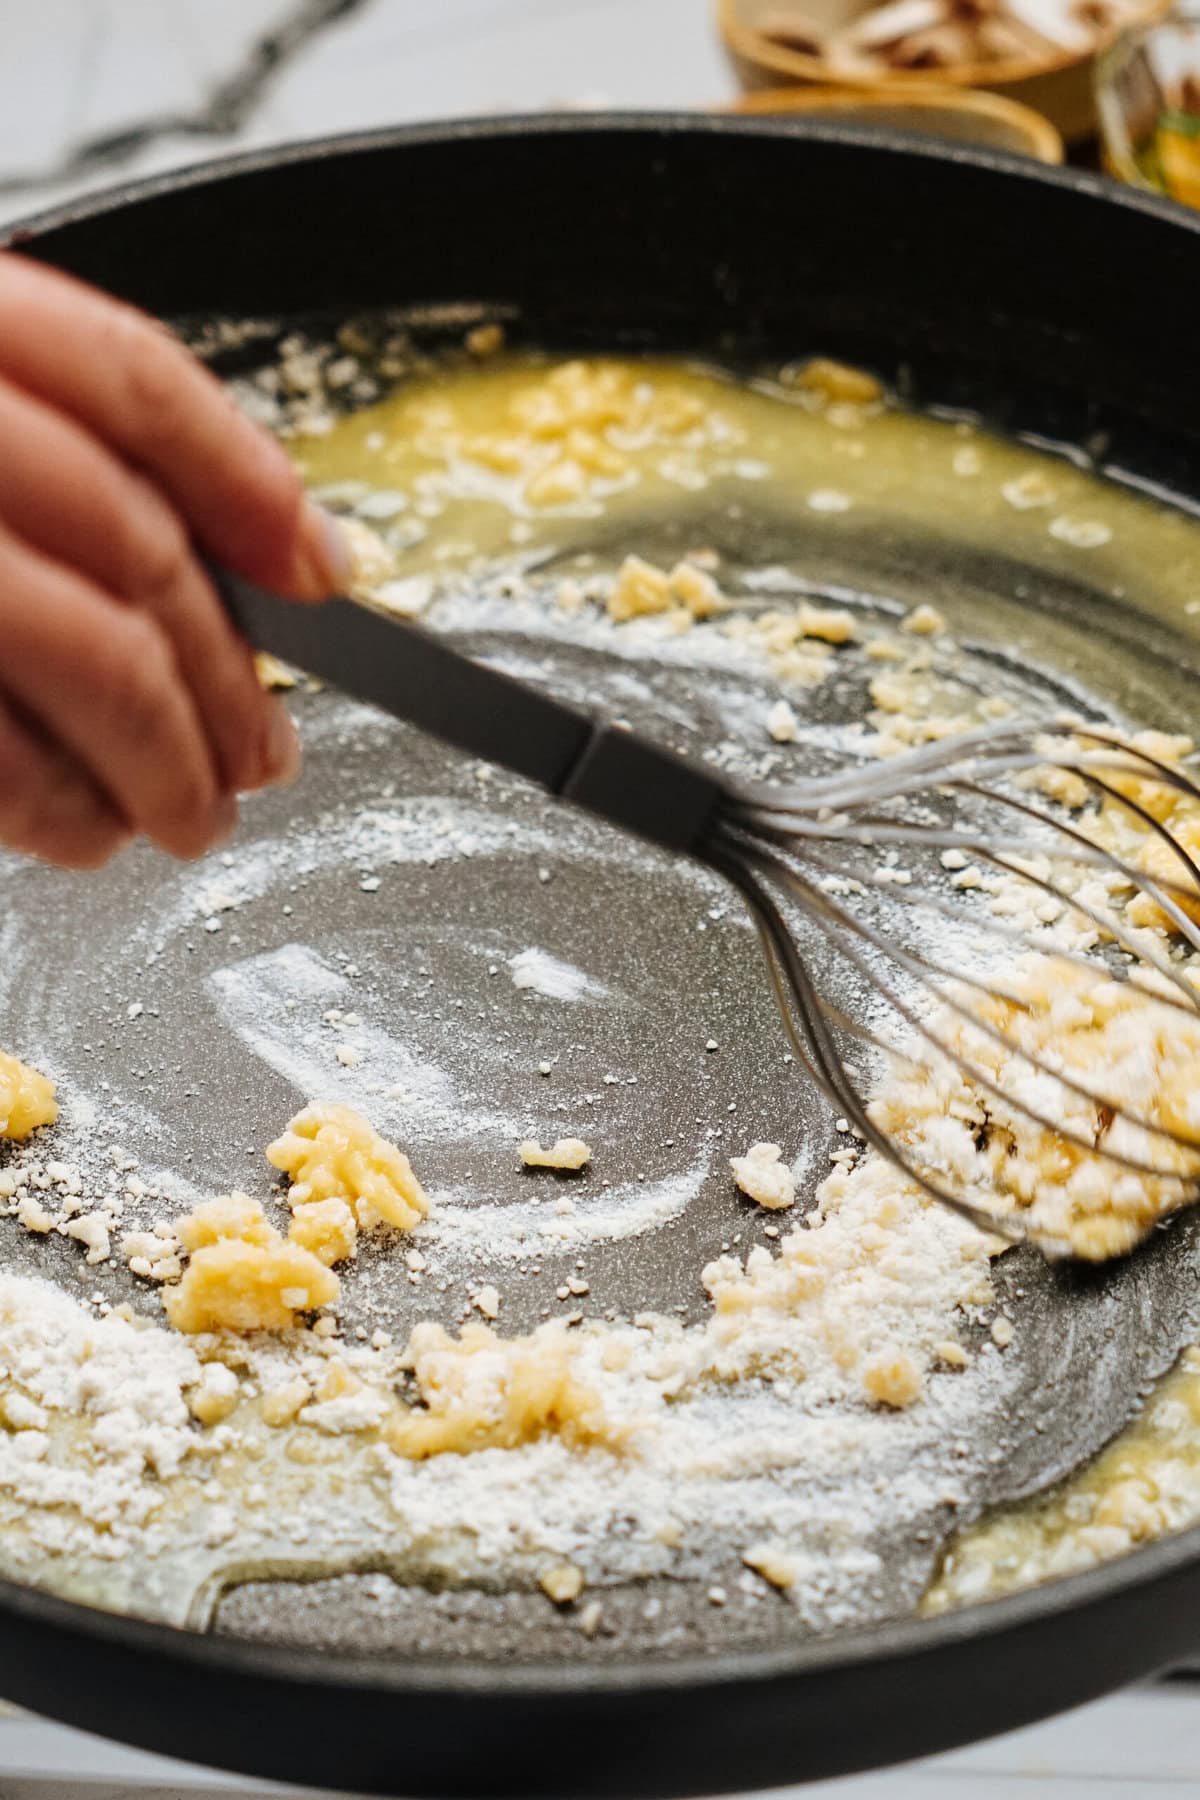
965 115
1059 85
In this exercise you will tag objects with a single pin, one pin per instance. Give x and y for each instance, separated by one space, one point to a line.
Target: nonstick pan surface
725 239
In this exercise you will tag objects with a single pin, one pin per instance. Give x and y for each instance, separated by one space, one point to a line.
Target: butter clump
26 1099
763 1177
483 1392
565 1153
242 1274
331 1152
642 589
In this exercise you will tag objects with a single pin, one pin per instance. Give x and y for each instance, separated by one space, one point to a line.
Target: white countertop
76 73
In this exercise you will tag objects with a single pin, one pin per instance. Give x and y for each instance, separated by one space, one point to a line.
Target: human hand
128 703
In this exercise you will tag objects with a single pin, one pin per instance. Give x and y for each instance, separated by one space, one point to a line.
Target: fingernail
327 562
281 749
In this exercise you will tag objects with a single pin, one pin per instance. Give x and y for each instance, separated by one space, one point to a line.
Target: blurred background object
964 116
1039 52
1148 99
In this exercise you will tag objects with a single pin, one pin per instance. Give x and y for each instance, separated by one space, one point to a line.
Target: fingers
101 680
126 380
128 702
66 489
48 806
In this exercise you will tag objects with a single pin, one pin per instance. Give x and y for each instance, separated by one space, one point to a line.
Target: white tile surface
158 56
80 69
399 61
72 69
39 80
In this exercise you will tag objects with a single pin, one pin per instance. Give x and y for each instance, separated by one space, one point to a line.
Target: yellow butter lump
331 1152
327 1228
893 1379
373 562
564 1153
272 673
26 1099
557 435
642 589
923 621
798 642
484 1392
764 1177
233 1215
773 1562
834 383
215 1395
562 1583
242 1274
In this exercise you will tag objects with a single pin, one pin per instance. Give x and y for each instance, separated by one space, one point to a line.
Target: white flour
556 980
465 1228
274 1003
101 1492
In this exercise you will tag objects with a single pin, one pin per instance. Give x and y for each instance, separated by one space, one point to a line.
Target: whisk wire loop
954 796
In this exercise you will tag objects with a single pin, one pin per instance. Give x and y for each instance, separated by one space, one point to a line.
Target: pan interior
186 1014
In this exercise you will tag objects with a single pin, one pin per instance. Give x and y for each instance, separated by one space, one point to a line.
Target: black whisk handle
418 677
643 787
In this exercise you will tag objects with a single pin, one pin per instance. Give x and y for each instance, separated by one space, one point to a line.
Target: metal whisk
816 864
955 802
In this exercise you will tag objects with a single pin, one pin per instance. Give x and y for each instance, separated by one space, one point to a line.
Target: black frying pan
1051 303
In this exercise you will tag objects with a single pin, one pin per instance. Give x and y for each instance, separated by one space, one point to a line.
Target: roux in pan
838 1387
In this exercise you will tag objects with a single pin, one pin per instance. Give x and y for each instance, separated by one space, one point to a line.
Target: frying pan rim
665 125
903 1638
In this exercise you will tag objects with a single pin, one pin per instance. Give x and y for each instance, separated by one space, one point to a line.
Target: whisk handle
418 677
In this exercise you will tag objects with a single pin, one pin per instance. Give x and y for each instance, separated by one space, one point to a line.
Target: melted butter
261 1494
470 456
1146 1482
249 1501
